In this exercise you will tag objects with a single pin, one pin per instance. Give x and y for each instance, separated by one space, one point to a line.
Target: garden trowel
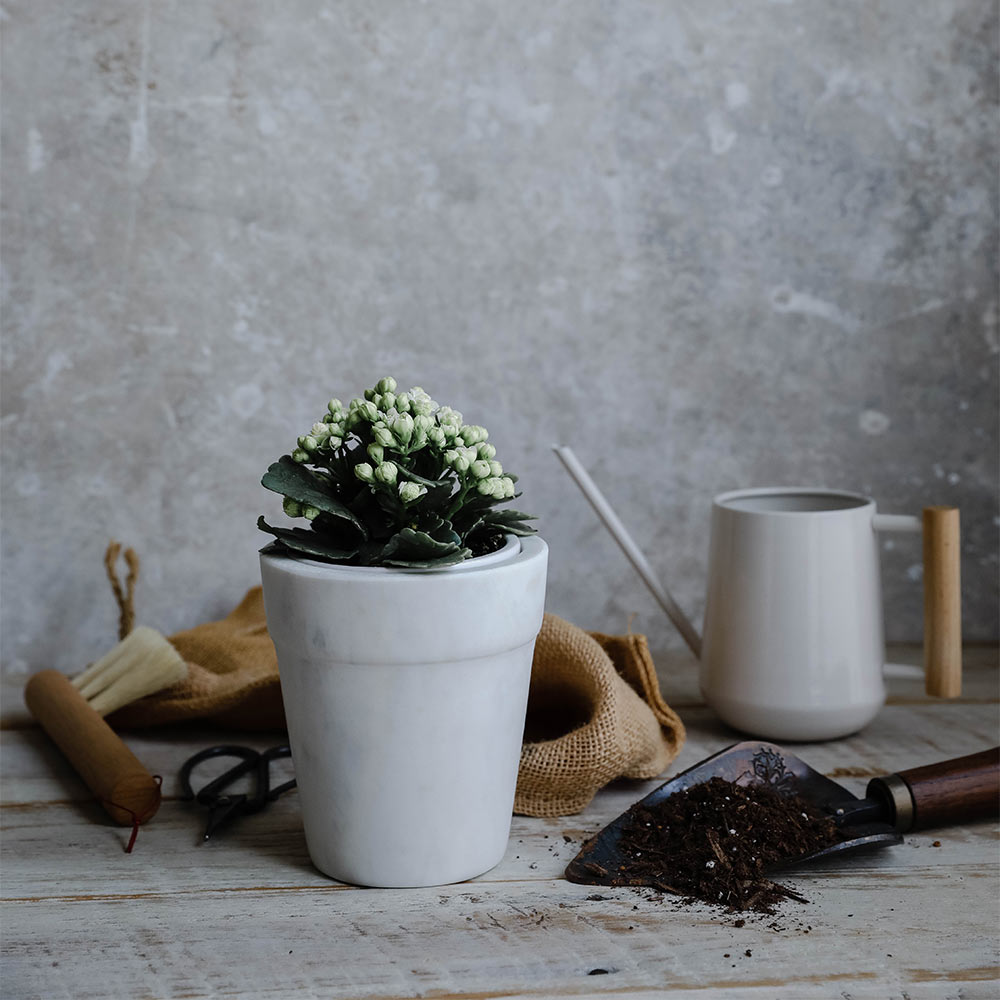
949 792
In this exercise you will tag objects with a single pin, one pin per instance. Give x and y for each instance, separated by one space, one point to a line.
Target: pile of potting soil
715 841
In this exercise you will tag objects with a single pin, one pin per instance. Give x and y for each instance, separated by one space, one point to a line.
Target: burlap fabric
595 712
232 676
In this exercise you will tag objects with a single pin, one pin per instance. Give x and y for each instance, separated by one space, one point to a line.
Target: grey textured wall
708 244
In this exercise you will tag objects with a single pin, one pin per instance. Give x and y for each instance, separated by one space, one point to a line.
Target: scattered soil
715 841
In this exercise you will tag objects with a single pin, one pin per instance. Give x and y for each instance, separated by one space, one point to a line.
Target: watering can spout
632 551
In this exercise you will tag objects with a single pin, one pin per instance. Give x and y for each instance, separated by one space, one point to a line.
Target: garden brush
71 712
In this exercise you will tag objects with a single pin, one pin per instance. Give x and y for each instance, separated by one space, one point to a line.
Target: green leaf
421 481
435 563
308 542
438 528
439 491
295 481
511 522
409 545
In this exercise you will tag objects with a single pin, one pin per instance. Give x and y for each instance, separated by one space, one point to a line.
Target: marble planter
405 694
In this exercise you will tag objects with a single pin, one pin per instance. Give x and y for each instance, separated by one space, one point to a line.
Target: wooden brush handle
953 791
128 792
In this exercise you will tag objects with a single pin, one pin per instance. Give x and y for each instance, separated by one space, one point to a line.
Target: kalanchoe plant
394 480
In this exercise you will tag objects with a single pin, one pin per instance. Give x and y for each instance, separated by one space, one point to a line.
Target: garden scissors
224 806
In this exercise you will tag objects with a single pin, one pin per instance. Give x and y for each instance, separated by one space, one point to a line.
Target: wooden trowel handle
952 791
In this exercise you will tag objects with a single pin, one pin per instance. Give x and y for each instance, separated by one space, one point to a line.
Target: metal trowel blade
751 763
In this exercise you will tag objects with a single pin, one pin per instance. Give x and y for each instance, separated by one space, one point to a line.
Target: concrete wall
707 244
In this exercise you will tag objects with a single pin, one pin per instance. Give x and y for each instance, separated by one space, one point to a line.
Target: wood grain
942 602
955 790
248 916
124 788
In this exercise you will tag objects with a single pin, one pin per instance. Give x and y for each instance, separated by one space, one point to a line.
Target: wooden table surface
247 916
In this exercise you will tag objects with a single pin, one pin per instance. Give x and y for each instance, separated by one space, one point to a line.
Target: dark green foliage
394 481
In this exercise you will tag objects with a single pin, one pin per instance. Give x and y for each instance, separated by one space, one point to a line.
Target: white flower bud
508 487
487 487
437 437
376 453
468 453
408 492
388 401
364 472
369 411
291 507
387 384
320 430
402 428
447 416
308 443
383 436
474 434
487 451
300 456
386 473
334 441
335 406
496 469
480 469
421 403
422 422
369 394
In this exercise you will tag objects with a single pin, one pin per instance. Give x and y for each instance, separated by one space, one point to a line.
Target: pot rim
511 550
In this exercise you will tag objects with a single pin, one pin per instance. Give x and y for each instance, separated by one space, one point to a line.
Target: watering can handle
942 602
942 594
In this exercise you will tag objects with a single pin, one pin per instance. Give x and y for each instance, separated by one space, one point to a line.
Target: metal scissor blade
222 810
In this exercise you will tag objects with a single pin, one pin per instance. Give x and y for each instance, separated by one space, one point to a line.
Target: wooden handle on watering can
942 603
128 792
952 791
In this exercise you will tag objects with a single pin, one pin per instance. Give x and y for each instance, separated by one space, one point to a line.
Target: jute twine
124 596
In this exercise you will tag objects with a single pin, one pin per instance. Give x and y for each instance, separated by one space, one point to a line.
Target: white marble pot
405 695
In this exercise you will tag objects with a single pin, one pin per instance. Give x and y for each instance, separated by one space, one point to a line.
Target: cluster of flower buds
498 487
295 509
402 423
326 436
387 473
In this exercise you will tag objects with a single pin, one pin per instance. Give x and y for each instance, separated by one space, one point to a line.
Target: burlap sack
232 676
595 712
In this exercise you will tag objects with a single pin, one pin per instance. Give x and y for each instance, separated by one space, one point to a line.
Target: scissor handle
210 792
265 791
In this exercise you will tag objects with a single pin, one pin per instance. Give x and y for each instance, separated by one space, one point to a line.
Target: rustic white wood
247 916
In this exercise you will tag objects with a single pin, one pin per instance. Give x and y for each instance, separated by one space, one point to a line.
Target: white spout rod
631 550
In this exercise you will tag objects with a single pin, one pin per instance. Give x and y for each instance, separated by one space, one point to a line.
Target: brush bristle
143 663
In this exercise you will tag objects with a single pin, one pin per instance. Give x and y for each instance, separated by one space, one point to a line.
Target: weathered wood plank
537 940
32 769
248 916
268 851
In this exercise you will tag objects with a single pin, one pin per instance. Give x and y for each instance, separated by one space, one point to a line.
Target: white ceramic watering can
793 645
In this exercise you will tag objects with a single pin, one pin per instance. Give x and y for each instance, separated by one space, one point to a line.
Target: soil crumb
714 842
